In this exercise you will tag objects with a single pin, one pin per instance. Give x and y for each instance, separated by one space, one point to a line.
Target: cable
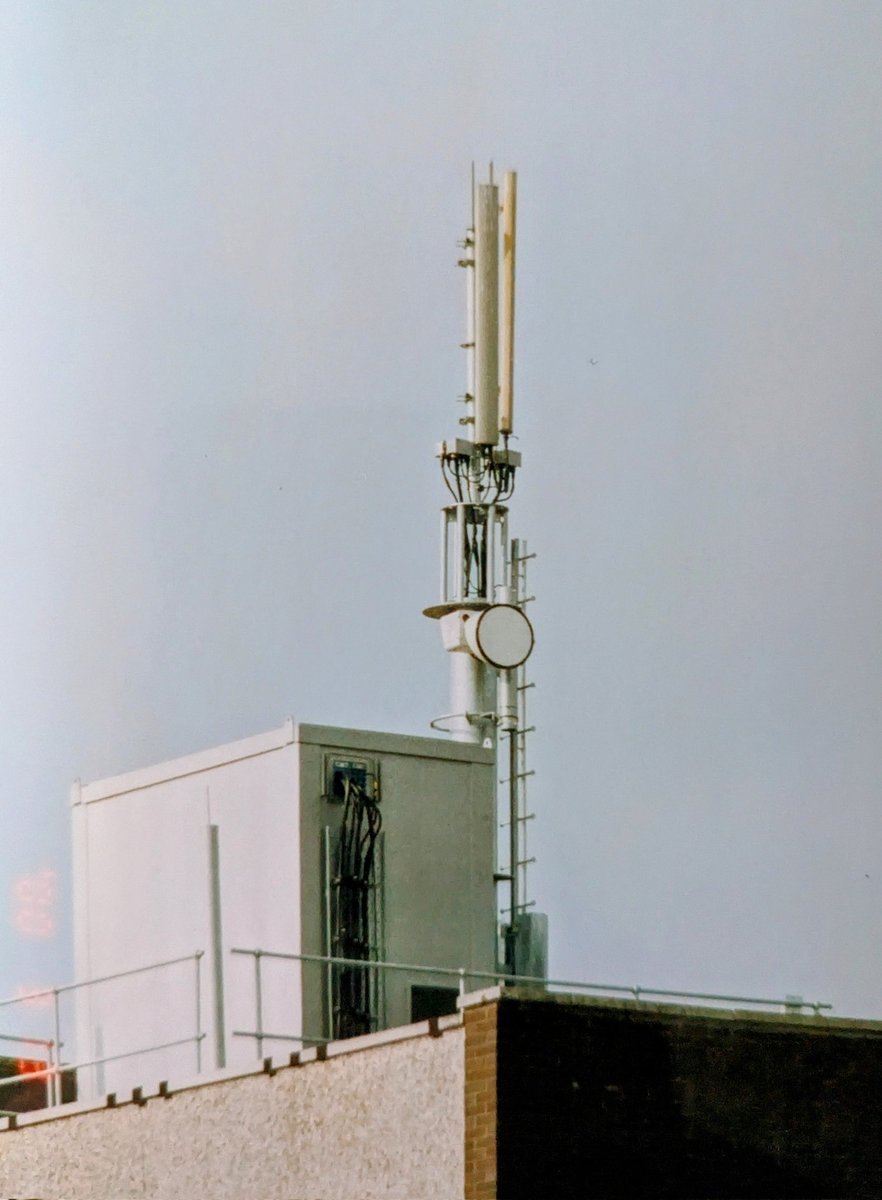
354 880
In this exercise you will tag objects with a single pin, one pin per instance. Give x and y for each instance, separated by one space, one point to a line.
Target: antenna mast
480 611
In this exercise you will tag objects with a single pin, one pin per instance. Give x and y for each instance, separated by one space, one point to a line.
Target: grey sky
230 327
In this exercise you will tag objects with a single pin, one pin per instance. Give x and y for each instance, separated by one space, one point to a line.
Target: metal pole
217 946
513 835
56 1078
329 970
52 1064
197 959
258 1003
100 1075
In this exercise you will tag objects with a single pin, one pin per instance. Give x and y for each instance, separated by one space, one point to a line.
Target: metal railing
465 978
47 1045
464 975
55 1068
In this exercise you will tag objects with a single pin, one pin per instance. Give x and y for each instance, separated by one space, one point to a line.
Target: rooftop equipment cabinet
306 840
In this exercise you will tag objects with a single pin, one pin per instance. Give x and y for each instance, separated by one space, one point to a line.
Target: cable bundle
352 928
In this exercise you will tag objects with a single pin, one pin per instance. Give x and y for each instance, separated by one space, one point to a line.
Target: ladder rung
528 817
521 775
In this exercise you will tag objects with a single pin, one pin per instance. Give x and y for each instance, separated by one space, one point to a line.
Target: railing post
52 1064
462 981
55 1090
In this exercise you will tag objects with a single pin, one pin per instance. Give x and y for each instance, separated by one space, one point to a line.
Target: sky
230 319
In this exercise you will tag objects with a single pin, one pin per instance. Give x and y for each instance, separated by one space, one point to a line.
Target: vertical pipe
507 701
490 542
258 1004
329 969
197 959
217 946
56 1034
506 324
489 680
100 1077
380 914
85 1003
513 838
49 1083
487 315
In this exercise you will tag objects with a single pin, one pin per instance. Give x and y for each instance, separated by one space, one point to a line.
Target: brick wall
480 1101
617 1099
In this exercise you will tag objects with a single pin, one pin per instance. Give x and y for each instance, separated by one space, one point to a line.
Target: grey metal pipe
513 840
56 1021
197 961
258 1002
217 946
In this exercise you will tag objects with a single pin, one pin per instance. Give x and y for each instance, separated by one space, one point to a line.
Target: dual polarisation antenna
492 305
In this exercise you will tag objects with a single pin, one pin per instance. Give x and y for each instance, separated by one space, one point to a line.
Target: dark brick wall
615 1101
480 1102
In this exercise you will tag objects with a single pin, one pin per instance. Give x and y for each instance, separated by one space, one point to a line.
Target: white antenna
486 274
506 327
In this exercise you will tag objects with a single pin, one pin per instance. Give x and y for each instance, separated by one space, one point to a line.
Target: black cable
457 470
445 477
360 828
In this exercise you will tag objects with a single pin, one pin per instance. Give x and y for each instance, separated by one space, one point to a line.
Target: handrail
52 1072
463 973
54 1067
72 987
279 1037
46 1043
